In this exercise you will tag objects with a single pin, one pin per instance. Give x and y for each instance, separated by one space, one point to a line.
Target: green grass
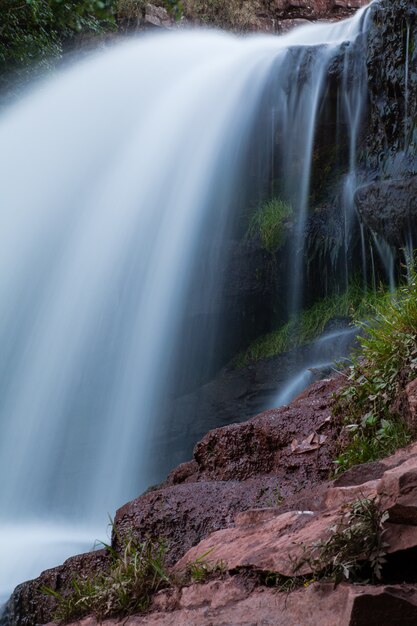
385 363
270 223
133 577
199 570
354 303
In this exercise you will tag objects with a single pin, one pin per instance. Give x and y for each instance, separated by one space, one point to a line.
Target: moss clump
385 363
354 303
270 224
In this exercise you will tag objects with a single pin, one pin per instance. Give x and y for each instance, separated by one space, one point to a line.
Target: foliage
370 444
270 223
385 363
354 303
33 32
354 549
127 587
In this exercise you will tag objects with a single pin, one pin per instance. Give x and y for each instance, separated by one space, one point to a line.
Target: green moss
383 366
270 223
354 303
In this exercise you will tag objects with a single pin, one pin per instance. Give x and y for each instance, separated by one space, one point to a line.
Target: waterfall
112 176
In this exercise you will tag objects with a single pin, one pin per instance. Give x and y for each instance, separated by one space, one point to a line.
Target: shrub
384 364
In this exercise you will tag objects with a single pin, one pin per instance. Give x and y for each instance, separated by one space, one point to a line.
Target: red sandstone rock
230 500
230 603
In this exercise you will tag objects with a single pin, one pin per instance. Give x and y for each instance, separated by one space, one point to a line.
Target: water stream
111 176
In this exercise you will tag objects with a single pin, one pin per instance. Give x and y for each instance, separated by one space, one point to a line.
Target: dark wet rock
30 605
392 134
186 513
238 393
262 445
389 208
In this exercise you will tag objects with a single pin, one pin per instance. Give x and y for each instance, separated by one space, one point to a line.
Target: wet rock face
392 70
389 208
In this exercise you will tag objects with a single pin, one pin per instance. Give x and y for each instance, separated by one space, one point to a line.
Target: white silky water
110 176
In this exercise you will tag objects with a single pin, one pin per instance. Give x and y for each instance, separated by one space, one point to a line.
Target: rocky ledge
255 498
265 16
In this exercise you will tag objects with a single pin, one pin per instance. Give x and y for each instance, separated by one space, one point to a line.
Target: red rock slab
274 545
228 603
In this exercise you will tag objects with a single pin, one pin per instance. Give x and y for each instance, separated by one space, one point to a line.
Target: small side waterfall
111 178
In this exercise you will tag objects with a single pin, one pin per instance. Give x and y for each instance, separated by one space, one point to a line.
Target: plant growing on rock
270 224
354 549
370 404
134 575
201 568
354 303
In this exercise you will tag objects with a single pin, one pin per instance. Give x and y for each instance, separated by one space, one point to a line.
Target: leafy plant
134 575
270 223
383 366
354 550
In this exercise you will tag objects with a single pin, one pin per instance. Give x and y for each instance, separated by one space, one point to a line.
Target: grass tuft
126 588
271 223
369 405
355 303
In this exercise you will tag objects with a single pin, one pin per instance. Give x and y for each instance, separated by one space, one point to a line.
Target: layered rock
234 603
254 498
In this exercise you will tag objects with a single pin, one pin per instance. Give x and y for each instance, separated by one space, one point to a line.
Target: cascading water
111 176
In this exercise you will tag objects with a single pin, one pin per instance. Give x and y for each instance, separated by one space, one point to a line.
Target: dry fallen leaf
313 442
